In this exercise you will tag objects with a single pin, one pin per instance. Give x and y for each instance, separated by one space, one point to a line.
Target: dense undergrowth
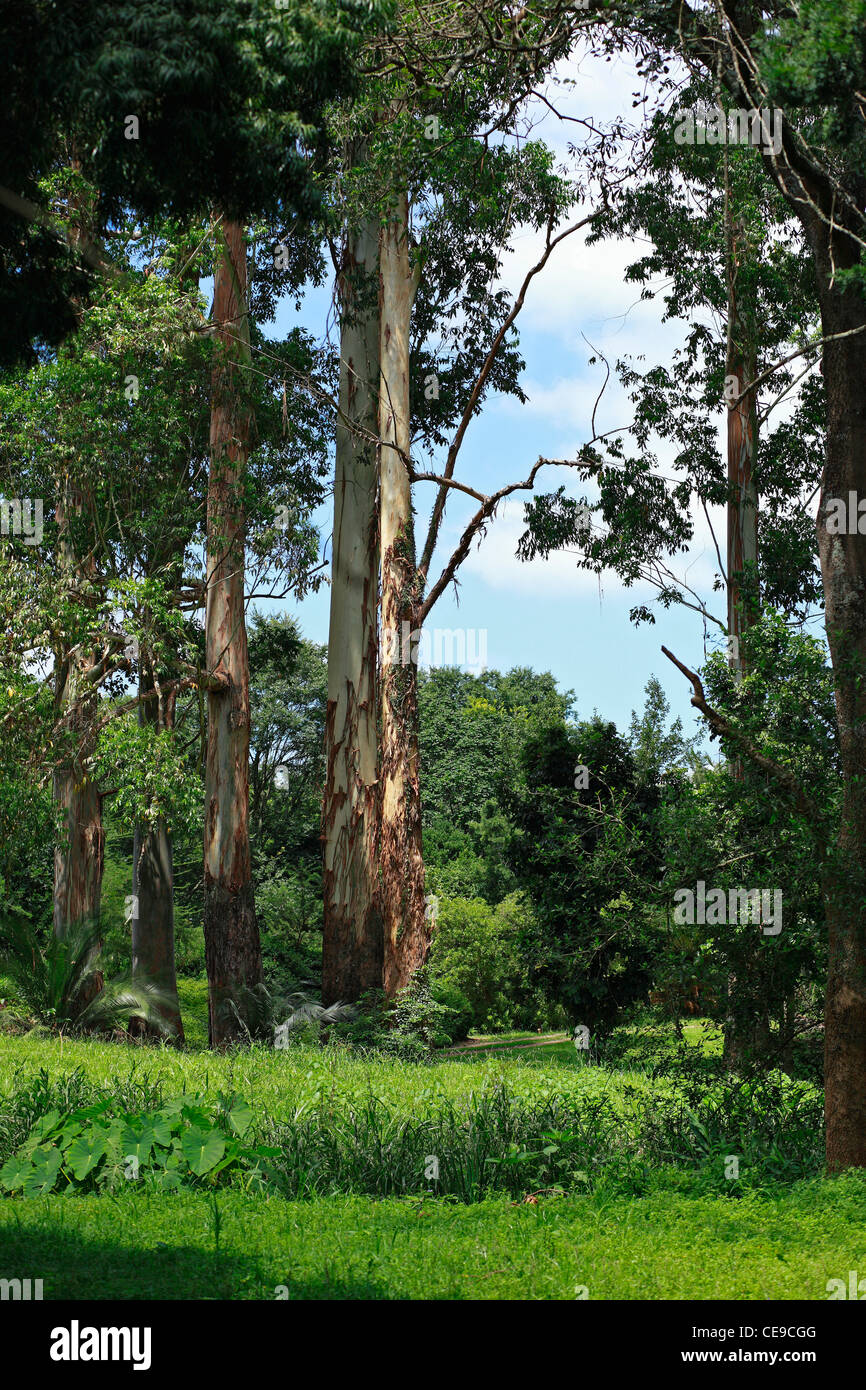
328 1121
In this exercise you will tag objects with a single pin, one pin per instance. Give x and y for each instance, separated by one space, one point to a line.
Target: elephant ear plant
59 982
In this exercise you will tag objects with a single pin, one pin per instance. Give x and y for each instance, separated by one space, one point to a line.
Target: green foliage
323 1122
289 912
149 774
477 951
472 731
229 98
430 1013
59 983
735 830
667 1245
588 856
100 1147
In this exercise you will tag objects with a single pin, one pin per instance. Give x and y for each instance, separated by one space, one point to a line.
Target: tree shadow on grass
73 1268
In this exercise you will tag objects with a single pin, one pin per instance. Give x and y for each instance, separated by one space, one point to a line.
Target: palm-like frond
56 980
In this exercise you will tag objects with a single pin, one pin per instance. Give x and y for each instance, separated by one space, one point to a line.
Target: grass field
670 1247
556 1174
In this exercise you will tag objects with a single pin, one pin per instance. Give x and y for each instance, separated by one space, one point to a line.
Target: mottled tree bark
843 568
79 858
406 935
79 855
743 1038
232 948
352 926
153 891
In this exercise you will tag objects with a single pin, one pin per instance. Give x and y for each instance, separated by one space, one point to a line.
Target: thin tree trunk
407 939
79 857
741 367
153 893
741 1039
352 926
232 948
843 568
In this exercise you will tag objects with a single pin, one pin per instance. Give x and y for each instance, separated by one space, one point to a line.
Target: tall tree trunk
406 933
843 568
742 1037
742 550
79 857
153 891
352 927
232 948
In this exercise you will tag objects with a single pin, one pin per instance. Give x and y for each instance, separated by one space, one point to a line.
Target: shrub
476 951
427 1014
289 909
100 1147
59 983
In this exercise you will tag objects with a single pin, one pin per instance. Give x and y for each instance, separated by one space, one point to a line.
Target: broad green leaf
85 1152
240 1117
68 1133
195 1115
170 1109
202 1150
43 1127
167 1179
137 1142
47 1162
14 1172
92 1112
161 1131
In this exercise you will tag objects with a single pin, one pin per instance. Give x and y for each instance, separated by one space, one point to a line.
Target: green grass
672 1247
192 997
646 1211
283 1082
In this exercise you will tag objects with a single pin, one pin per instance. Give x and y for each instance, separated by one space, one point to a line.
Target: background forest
368 918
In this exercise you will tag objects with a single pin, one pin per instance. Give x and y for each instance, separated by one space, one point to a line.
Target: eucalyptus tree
733 268
431 188
128 398
806 68
186 105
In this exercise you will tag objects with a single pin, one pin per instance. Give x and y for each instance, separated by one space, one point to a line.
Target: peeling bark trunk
352 927
406 934
742 1040
153 894
232 948
79 856
843 568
